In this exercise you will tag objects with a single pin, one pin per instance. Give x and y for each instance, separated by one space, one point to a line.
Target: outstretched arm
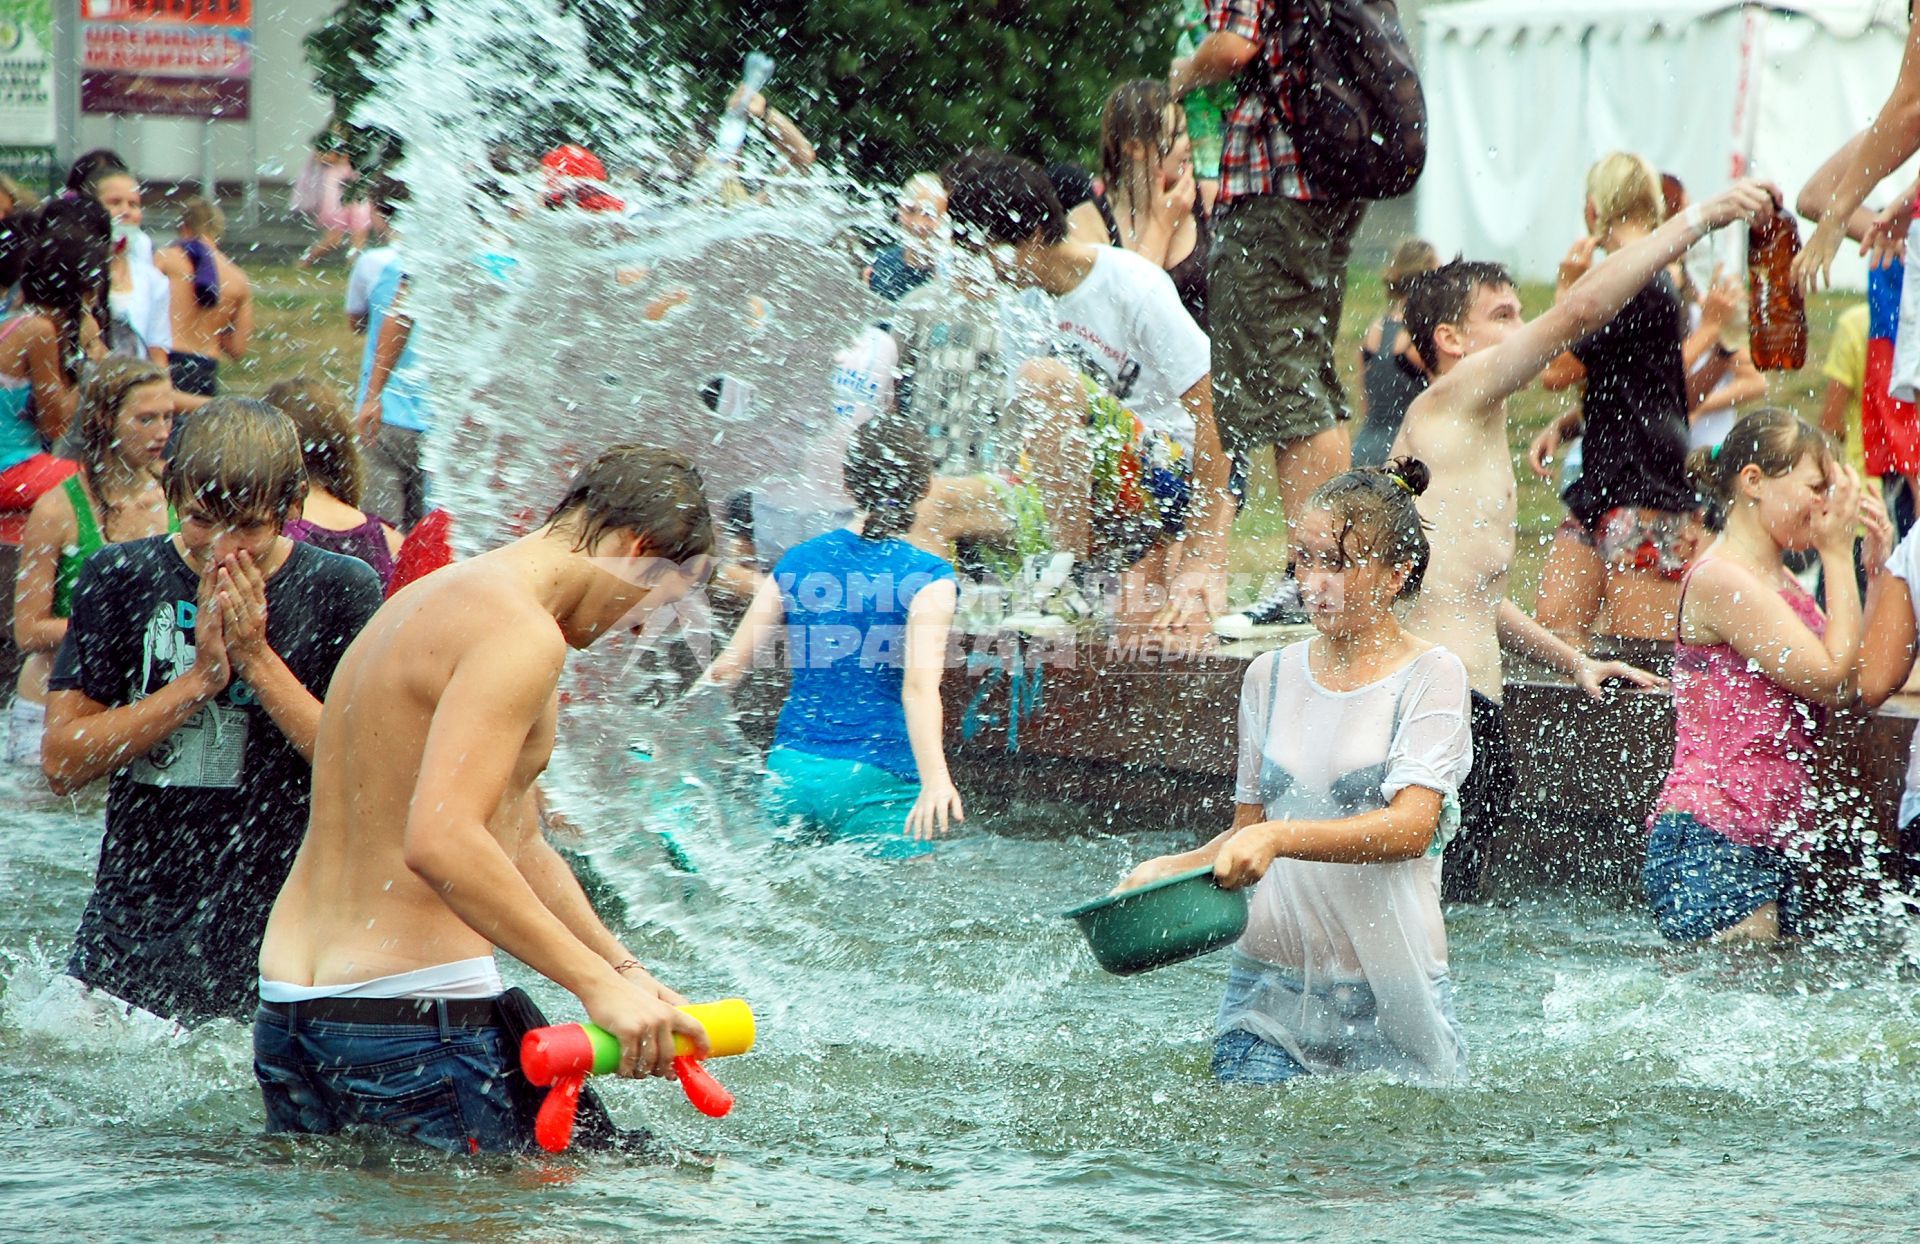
749 644
1877 152
1591 302
1521 635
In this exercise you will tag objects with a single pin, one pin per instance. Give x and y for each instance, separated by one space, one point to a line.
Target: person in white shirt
366 273
1119 461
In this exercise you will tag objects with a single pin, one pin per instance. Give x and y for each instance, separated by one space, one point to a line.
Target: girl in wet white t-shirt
1353 746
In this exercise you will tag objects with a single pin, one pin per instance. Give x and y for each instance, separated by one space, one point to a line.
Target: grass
302 330
1259 545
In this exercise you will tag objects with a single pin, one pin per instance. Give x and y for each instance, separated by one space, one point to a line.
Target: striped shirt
1257 156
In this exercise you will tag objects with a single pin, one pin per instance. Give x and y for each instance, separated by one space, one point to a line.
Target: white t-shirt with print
1125 327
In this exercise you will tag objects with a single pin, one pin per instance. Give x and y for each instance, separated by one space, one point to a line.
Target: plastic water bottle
1205 108
863 375
732 133
1776 309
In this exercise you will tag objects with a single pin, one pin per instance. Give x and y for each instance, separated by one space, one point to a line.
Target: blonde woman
1632 528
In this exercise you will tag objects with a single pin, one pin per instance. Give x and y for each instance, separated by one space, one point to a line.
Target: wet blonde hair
1623 188
203 218
1409 259
239 461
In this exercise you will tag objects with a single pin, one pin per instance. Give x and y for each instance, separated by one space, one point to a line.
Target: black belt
447 1012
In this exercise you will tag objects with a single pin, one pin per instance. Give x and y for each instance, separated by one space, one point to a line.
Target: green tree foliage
884 86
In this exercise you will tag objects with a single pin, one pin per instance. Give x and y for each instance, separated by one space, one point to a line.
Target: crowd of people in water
322 736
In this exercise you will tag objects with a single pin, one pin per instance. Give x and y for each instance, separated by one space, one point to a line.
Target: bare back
1471 504
207 331
352 909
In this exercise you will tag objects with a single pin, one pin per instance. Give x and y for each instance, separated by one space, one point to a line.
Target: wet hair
1136 112
736 515
1409 259
87 172
1770 438
654 493
203 218
237 461
1002 198
1377 518
58 253
328 447
1072 183
1623 187
104 392
1444 296
888 472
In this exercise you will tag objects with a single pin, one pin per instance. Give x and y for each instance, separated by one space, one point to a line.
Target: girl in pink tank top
1755 667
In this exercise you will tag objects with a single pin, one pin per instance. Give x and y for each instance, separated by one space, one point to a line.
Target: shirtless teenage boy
212 300
423 852
1465 320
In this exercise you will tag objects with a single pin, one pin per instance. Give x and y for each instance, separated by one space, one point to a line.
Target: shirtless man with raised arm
1465 320
423 852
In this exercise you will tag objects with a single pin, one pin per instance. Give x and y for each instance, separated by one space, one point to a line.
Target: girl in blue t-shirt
857 751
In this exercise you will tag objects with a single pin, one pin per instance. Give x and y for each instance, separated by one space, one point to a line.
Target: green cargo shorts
1276 283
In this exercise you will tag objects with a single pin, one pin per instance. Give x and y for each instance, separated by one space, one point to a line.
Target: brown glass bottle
1776 311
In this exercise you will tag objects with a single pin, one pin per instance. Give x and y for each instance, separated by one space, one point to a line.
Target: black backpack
1359 118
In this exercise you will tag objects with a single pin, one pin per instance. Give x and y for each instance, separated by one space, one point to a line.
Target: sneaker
1279 608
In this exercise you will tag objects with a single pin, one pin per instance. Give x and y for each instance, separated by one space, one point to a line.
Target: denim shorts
1239 1057
1347 1038
1699 882
442 1087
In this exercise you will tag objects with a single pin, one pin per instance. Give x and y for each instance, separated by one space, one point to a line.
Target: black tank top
1190 274
1391 382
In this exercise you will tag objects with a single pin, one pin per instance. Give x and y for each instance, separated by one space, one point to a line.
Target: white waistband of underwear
464 978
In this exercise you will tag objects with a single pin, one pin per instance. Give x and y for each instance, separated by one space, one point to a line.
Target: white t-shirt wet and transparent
1307 753
1124 325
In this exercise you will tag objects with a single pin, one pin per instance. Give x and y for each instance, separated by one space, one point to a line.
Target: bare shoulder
172 262
52 522
233 276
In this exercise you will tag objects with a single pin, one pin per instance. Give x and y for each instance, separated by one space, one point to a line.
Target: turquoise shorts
834 800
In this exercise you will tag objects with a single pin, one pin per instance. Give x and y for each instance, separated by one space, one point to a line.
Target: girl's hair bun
1412 474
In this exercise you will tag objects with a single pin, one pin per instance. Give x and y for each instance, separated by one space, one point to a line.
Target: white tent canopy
1525 94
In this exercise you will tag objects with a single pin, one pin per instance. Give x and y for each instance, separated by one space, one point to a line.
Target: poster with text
26 73
172 58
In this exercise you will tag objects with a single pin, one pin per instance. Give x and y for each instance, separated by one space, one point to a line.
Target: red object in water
573 160
575 176
708 1095
553 1126
1776 309
427 548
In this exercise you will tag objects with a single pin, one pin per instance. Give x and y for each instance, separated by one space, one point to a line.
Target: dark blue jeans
439 1085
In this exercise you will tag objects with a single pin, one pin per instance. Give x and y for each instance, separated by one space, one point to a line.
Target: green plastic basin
1175 918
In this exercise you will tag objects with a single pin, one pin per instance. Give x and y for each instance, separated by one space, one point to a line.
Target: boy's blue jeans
439 1085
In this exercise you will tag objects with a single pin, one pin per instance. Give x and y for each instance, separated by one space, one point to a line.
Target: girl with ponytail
1756 665
1353 745
857 753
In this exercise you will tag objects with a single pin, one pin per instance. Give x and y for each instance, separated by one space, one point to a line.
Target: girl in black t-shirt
1632 524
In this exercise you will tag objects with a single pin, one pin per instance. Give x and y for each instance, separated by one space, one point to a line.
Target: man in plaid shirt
1277 273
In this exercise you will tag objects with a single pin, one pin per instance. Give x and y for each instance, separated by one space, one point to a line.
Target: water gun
564 1055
